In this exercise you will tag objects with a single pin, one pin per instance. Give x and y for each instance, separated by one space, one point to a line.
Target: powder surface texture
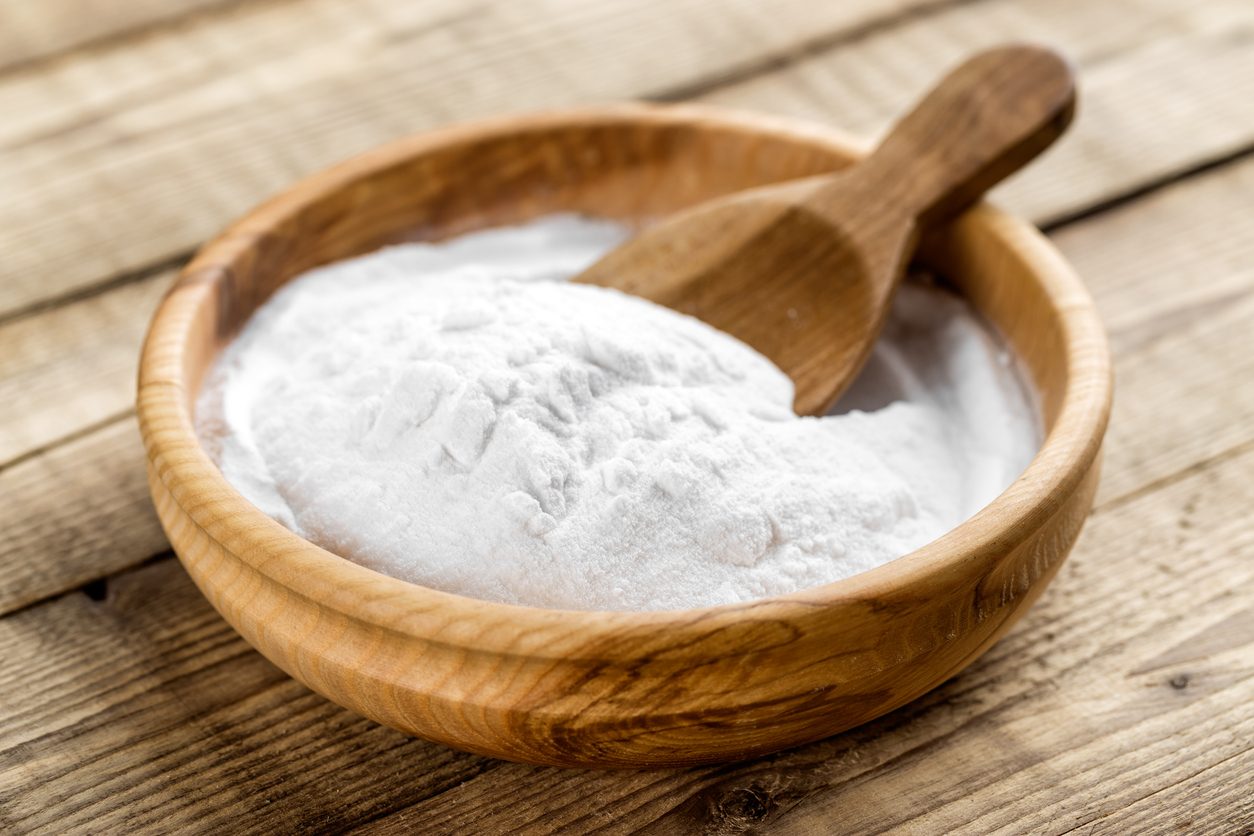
461 417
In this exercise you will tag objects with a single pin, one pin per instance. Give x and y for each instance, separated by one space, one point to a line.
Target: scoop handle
982 122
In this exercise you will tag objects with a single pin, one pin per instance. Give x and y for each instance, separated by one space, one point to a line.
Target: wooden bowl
613 689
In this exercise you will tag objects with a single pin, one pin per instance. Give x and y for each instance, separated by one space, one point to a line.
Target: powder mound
460 417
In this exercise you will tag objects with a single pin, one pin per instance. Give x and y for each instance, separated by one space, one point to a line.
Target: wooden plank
73 366
33 31
119 158
1169 259
971 717
1164 87
1173 276
1062 723
146 713
1158 431
76 513
1204 805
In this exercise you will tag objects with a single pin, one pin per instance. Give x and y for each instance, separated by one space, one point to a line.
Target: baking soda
459 416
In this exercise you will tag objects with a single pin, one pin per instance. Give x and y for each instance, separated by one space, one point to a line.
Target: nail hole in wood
97 590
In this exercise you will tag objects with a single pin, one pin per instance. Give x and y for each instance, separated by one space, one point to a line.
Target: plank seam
805 50
100 288
151 560
35 63
82 432
1180 475
1050 225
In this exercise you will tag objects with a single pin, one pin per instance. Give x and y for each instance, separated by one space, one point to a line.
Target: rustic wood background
132 130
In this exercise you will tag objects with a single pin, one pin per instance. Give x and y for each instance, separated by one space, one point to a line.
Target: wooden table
132 130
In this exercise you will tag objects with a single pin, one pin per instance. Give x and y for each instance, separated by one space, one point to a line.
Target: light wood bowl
606 689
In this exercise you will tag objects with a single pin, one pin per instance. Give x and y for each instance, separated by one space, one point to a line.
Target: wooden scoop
805 271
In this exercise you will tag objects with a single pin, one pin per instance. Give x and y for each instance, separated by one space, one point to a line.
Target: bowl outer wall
618 689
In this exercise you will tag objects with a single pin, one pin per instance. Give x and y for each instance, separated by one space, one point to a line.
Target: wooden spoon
805 271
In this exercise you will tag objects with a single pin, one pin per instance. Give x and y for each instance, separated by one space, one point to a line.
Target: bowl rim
1069 450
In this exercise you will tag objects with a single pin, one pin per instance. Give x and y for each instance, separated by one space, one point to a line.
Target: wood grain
116 159
1169 260
146 713
1180 68
75 513
33 31
1167 87
1174 276
72 366
1203 803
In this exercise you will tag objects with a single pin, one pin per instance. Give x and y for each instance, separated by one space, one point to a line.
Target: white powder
460 417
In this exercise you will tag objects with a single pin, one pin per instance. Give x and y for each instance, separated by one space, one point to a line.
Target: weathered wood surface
70 367
1165 87
136 153
1119 704
48 28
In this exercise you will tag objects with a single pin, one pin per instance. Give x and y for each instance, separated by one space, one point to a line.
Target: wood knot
743 805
